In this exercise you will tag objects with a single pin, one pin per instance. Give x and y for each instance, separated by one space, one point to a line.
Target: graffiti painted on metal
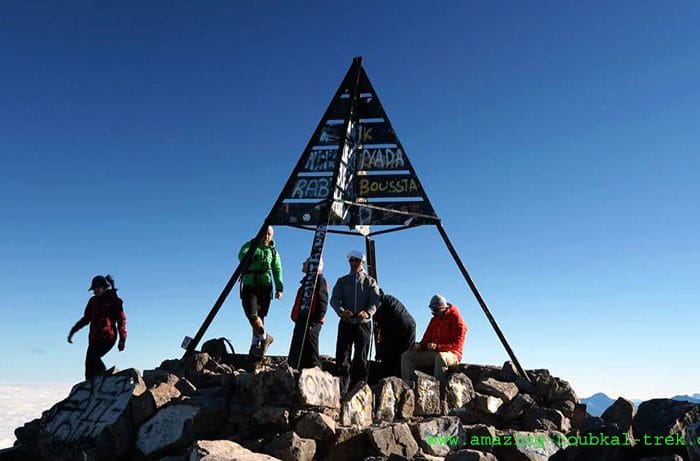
388 186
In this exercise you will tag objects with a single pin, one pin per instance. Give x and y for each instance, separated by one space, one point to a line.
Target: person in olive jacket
256 288
105 315
307 322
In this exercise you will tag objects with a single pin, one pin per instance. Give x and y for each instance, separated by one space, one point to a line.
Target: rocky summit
199 408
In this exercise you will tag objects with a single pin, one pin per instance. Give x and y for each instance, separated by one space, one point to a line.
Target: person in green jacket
256 288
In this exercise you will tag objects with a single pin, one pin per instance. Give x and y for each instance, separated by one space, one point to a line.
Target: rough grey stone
276 387
394 439
168 429
504 391
220 450
315 426
487 403
385 402
291 447
438 436
526 446
519 405
469 455
546 419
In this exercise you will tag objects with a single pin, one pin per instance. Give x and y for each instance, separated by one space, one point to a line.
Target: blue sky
557 141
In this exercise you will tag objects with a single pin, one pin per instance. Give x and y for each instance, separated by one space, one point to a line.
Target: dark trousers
349 335
309 355
93 359
391 350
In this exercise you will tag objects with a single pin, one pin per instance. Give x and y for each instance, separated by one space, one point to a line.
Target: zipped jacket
106 316
355 292
319 301
265 266
448 332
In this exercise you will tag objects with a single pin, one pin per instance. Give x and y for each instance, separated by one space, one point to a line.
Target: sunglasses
353 260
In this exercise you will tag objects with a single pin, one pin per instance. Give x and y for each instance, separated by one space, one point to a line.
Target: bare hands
431 346
363 315
278 295
346 314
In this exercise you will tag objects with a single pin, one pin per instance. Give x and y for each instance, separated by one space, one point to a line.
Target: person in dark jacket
105 315
307 323
395 333
355 298
256 288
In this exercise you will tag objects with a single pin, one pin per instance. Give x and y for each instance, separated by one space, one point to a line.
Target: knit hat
437 301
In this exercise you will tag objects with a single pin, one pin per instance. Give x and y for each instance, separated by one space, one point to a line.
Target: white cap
356 254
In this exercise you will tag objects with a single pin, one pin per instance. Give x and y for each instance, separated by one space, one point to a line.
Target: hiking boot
266 343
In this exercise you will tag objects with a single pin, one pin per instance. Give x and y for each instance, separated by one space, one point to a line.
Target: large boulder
620 413
504 391
395 439
516 408
219 450
350 444
692 436
439 436
427 395
318 389
271 419
276 387
171 428
357 407
525 446
661 425
290 447
96 420
546 419
480 436
314 425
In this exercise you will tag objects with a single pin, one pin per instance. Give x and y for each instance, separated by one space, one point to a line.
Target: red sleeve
121 320
428 336
458 332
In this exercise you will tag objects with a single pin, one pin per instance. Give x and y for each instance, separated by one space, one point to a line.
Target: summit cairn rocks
196 408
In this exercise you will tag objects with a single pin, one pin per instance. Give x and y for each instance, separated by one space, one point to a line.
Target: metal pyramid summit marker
354 170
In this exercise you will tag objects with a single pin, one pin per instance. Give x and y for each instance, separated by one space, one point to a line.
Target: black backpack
216 348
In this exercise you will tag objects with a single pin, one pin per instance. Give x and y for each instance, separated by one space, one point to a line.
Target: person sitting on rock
442 343
307 322
105 315
395 333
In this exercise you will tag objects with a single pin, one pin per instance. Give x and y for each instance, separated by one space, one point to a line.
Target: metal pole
481 301
371 259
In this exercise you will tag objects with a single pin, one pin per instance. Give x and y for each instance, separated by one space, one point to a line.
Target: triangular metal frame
353 172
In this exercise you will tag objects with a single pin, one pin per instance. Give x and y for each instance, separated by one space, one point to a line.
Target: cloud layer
20 403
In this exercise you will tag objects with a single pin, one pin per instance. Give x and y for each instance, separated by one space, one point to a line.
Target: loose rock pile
200 409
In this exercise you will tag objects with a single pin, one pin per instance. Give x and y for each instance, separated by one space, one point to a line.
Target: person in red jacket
105 315
307 323
442 343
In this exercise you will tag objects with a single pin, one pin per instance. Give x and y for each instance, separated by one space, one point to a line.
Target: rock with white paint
427 395
96 417
356 410
385 402
318 389
458 391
